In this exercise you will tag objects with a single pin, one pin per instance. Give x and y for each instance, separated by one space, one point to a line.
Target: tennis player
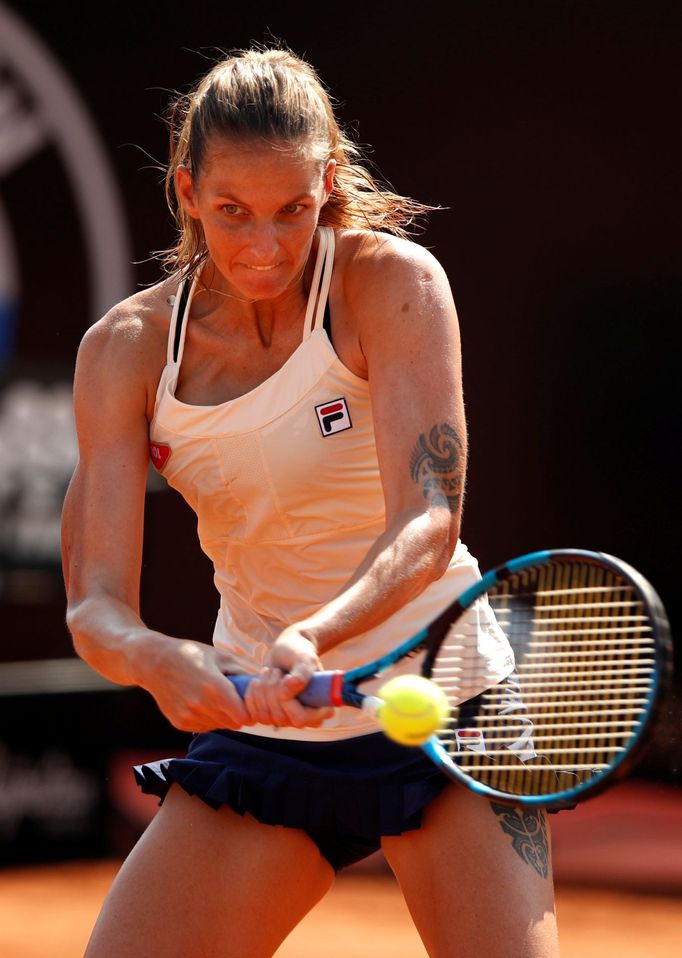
296 377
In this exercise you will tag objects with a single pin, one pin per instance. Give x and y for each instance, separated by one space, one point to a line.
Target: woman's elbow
446 527
76 626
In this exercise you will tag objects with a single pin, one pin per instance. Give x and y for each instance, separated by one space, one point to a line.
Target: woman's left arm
408 333
409 336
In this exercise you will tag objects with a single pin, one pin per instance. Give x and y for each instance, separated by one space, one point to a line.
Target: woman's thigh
206 883
477 878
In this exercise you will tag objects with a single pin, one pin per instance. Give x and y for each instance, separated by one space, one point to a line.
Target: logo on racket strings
333 417
470 740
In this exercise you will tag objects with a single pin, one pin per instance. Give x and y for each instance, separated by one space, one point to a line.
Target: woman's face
258 206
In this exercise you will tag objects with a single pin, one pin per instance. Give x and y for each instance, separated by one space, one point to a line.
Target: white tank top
285 484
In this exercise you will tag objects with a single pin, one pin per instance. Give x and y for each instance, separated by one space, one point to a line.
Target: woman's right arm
102 532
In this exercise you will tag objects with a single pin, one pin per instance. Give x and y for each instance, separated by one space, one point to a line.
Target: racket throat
371 705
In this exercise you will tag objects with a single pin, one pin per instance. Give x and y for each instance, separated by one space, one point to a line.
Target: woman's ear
184 188
329 172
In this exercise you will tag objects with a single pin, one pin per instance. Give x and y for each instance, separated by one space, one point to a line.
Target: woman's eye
292 208
231 209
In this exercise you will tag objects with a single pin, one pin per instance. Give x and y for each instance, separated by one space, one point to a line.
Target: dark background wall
547 131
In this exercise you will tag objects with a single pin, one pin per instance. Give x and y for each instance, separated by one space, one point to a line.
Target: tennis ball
412 709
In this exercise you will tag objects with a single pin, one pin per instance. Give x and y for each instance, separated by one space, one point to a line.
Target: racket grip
323 689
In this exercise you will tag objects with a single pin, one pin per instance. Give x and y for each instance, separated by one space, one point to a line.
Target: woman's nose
264 243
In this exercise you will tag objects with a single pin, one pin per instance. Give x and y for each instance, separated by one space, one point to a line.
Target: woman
297 378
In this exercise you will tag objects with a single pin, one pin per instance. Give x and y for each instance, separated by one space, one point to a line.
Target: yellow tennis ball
412 709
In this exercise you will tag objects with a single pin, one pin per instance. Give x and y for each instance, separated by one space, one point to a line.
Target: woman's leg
477 879
209 883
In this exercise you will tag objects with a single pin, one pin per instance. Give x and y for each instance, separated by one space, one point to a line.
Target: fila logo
159 453
333 417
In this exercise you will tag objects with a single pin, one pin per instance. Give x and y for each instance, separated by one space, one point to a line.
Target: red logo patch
159 453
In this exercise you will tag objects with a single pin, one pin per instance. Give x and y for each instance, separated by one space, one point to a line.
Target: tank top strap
179 318
322 275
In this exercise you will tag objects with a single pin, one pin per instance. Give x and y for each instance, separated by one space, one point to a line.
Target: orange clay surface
49 910
618 867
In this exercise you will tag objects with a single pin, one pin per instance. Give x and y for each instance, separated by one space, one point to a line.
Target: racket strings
585 663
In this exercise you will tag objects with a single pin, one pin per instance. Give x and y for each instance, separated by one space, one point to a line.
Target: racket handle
323 689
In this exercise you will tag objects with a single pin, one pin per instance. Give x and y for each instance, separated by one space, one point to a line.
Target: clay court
618 862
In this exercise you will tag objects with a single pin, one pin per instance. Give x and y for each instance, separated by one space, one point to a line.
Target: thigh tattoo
528 830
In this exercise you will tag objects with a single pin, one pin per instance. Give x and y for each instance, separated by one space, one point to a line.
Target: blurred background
549 132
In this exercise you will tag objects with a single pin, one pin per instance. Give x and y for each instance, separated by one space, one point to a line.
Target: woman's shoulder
135 326
121 357
374 264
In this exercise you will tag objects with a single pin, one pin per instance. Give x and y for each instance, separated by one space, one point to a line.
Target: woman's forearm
112 638
411 554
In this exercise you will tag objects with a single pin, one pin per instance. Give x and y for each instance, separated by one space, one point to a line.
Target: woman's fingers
269 702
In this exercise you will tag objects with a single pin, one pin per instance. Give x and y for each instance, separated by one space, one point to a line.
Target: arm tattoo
528 830
437 465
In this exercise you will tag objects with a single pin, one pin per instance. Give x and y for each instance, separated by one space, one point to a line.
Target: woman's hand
271 698
188 682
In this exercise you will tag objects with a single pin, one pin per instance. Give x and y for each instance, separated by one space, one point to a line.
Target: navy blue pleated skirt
344 794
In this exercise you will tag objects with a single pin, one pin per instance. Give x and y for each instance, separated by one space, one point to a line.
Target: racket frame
341 688
433 635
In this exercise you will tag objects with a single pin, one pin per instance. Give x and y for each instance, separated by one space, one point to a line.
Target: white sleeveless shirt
286 487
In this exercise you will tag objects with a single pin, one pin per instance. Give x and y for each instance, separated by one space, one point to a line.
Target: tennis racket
592 649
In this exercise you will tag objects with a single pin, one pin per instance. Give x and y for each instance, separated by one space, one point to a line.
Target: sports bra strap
323 299
178 323
319 290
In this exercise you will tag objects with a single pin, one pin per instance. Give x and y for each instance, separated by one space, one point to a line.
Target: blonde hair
274 94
